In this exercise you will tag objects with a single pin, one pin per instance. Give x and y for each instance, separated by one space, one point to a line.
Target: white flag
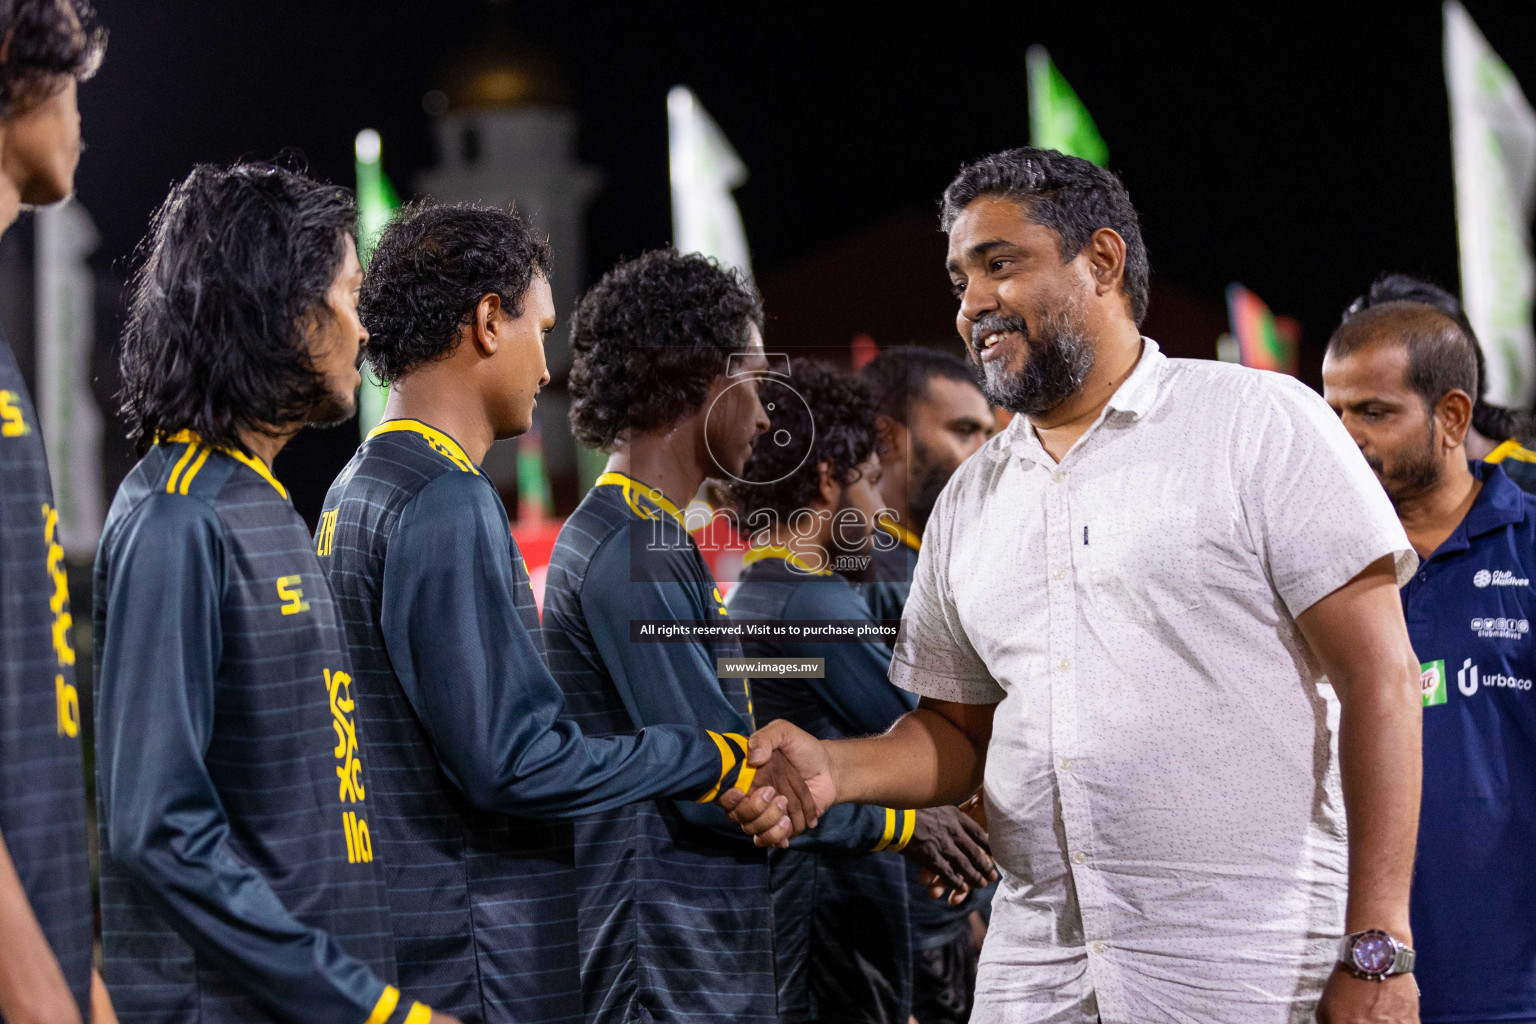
1493 139
66 336
705 169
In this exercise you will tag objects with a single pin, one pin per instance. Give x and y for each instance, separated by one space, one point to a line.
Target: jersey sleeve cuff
899 826
735 771
384 1011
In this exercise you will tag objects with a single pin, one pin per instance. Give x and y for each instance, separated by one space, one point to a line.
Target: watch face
1373 953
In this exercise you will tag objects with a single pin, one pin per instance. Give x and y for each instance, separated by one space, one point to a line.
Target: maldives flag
1262 342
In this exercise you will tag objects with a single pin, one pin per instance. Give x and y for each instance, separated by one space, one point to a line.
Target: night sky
1300 149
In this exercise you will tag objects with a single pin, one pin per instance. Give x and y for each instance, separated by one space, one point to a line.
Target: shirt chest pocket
1139 547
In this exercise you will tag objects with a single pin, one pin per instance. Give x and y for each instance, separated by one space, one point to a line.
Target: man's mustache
996 323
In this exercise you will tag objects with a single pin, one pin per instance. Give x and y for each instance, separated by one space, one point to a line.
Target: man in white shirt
1124 609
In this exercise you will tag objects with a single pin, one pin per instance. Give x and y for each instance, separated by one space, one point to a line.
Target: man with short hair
1401 375
1497 434
1125 607
932 416
810 512
470 752
675 913
238 873
49 46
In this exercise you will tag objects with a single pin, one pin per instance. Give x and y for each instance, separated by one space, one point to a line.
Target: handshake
797 782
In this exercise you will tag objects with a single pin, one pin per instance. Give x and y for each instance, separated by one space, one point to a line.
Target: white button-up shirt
1162 784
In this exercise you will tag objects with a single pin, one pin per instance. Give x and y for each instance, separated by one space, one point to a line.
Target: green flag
1057 118
376 204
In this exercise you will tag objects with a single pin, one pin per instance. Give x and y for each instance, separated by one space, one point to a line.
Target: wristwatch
1373 955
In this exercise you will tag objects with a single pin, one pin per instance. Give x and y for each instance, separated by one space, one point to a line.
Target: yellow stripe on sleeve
908 824
745 776
890 831
186 478
420 1014
727 762
388 1000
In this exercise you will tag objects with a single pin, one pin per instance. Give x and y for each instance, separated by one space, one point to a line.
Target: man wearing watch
1402 375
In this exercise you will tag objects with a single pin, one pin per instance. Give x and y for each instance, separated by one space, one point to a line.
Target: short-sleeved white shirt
1162 784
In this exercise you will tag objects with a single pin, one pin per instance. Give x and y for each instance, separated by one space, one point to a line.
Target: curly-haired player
811 530
669 353
472 751
46 48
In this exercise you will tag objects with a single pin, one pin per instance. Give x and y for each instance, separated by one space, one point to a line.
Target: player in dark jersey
238 875
931 417
811 533
1497 435
462 716
674 914
45 879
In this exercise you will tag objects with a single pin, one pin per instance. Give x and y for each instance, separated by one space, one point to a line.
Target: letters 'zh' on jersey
468 746
42 781
238 880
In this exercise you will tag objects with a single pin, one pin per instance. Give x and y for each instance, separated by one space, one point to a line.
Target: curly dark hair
45 43
649 340
236 261
1492 421
1067 194
429 271
838 415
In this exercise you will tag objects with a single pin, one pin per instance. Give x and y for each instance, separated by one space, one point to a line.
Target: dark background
1299 150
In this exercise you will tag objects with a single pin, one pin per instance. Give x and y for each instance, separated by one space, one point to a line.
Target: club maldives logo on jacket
1498 578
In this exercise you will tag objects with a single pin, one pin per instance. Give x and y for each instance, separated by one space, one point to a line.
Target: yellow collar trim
633 489
779 551
440 442
193 442
1511 449
901 533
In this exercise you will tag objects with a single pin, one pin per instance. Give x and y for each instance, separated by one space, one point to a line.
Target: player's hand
805 753
442 1018
1351 1000
953 849
778 808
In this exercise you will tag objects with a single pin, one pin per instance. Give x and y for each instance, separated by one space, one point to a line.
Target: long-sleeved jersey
846 912
468 746
238 880
42 782
674 915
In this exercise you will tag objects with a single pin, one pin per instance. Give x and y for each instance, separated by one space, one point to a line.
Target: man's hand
953 850
1351 1000
101 1003
779 807
806 755
442 1018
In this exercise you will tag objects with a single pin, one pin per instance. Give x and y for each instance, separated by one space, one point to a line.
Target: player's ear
827 485
487 322
1454 412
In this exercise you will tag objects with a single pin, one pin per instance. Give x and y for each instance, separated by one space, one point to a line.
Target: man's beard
926 477
852 568
333 410
1414 473
1058 360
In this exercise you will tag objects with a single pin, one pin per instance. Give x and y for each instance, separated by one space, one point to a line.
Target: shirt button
1058 476
1059 574
1066 764
1079 857
1098 947
1063 664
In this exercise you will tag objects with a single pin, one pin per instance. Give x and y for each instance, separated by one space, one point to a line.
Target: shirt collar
1499 503
1134 397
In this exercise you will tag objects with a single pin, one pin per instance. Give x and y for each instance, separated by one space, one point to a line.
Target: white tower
506 134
